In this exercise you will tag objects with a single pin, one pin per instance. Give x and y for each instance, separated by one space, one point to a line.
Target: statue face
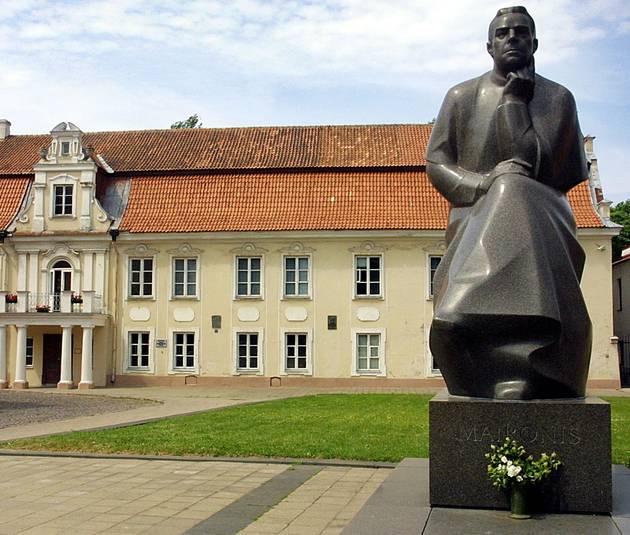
512 44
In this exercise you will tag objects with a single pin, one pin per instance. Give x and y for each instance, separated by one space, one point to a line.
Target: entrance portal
51 364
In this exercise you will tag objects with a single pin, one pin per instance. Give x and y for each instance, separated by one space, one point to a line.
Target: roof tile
362 200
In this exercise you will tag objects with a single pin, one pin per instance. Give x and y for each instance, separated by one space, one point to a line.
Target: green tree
620 213
192 122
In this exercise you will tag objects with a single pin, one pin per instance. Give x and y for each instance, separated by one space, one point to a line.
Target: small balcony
88 302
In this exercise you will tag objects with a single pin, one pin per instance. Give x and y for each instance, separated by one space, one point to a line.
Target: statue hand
513 166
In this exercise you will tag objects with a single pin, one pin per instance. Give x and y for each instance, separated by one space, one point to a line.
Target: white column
86 358
86 205
3 356
33 268
88 270
21 275
66 358
20 359
99 274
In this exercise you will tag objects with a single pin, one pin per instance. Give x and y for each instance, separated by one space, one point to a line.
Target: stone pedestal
462 429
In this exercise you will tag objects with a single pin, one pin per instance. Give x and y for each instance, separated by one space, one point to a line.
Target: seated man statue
509 319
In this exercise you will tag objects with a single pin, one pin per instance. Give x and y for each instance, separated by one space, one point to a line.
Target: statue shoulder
554 91
463 90
460 97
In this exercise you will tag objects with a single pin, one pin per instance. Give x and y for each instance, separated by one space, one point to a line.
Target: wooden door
51 365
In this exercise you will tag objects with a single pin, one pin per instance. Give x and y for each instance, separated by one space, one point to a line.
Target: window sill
248 298
183 371
369 297
296 298
248 372
140 298
184 298
375 373
291 372
139 371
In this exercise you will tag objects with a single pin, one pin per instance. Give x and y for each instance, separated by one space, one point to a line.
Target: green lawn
378 427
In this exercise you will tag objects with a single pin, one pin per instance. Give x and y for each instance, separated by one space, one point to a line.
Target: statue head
512 39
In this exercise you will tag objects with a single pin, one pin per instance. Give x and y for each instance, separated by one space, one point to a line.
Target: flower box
76 299
10 298
42 308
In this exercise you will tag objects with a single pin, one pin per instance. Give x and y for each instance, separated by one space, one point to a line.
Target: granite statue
509 319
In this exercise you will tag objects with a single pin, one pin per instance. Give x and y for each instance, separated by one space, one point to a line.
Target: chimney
5 129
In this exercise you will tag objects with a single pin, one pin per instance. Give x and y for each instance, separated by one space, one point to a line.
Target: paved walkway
55 495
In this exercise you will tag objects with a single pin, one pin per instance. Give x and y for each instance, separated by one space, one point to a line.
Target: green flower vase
518 502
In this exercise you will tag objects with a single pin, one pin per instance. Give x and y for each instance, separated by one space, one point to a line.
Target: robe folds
509 317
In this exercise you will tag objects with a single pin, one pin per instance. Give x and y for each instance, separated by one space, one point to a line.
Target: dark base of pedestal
461 431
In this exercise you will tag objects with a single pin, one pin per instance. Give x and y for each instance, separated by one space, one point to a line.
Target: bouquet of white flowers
510 465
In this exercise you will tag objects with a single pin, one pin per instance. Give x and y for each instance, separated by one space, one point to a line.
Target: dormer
63 192
66 144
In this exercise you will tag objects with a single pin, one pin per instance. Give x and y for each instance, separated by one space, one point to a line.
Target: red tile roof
264 178
362 200
13 191
278 147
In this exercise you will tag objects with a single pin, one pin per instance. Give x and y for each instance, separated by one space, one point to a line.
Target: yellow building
293 255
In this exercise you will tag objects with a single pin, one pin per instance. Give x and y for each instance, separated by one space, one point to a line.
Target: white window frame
309 274
63 180
261 351
249 295
381 293
184 369
186 295
129 367
153 277
429 256
32 351
430 371
382 371
283 352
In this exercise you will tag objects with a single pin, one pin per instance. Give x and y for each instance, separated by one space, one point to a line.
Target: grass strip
370 427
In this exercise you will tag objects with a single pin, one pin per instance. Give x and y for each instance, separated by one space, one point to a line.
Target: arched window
60 277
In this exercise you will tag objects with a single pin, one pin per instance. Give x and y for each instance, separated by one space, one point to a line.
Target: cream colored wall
400 318
596 287
404 312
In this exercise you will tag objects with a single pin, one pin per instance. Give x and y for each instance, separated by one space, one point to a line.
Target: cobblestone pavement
27 407
55 495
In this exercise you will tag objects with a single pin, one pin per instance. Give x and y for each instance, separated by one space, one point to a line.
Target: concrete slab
401 506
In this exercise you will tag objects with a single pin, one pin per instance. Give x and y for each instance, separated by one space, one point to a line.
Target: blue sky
123 64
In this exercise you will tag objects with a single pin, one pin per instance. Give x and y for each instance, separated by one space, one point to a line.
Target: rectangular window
296 276
141 277
434 262
295 352
65 148
248 276
184 350
184 277
368 352
29 352
248 351
368 276
619 295
63 199
139 349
